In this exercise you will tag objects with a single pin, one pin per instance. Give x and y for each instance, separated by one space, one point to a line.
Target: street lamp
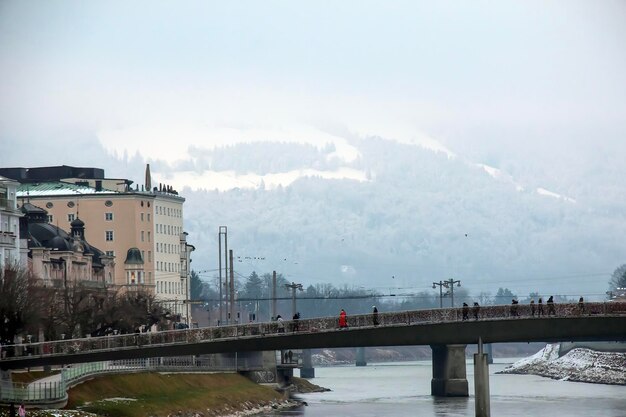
449 284
293 287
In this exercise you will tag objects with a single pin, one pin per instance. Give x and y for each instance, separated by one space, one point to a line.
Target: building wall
168 227
151 222
9 224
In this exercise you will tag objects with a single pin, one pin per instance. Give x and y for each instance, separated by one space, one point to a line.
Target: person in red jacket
343 320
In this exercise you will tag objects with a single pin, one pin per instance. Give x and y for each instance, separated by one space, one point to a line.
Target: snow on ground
579 365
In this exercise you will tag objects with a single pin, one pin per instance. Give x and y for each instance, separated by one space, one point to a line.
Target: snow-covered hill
578 365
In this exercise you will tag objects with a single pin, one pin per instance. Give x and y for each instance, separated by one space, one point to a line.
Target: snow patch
547 193
578 365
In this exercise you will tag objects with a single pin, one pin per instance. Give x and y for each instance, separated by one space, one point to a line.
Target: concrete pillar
489 352
307 370
449 375
481 385
360 357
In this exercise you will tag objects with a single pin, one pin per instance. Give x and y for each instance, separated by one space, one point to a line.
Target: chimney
148 178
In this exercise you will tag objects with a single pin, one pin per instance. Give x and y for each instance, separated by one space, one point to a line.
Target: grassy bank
156 394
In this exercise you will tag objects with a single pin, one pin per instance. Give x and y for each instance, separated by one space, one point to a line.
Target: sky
535 90
505 83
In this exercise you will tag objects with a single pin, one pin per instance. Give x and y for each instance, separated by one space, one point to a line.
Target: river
403 389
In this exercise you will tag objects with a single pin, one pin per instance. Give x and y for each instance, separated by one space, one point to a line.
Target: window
71 217
108 217
142 235
149 256
109 235
50 218
148 236
143 254
110 253
148 216
141 216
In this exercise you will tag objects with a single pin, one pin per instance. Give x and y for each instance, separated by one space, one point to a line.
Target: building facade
141 227
11 251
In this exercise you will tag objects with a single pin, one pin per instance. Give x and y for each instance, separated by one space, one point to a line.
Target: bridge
444 329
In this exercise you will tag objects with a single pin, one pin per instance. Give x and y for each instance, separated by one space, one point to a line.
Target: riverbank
168 395
578 365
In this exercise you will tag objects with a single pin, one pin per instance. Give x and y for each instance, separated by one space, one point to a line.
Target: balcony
7 239
7 204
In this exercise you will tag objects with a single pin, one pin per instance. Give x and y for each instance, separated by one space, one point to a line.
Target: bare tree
18 309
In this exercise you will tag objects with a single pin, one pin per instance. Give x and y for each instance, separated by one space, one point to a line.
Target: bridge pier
481 382
489 353
307 370
449 375
360 357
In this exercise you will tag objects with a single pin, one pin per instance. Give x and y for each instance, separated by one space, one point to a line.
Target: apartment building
140 227
10 251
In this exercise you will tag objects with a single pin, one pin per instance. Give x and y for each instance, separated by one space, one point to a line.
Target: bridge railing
207 334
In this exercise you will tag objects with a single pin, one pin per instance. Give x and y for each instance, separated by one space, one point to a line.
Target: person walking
21 411
532 307
540 307
12 410
581 305
296 322
343 319
514 308
465 311
375 315
281 324
550 304
476 310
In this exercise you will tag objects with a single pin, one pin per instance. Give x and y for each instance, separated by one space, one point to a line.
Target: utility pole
449 283
223 231
232 289
293 287
274 295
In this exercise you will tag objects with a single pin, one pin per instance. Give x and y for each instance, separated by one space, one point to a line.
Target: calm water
403 389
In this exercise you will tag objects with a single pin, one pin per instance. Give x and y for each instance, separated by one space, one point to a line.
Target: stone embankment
578 365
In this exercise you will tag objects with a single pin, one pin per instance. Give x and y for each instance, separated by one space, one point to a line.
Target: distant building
60 259
11 252
142 227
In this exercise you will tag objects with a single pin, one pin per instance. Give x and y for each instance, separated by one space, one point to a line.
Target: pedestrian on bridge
550 304
532 307
375 316
465 311
343 319
540 307
281 325
296 323
514 303
476 310
581 305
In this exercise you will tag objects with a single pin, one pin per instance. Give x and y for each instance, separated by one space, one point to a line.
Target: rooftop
57 188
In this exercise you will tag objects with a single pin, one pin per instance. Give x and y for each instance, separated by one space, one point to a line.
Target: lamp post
449 283
440 284
293 287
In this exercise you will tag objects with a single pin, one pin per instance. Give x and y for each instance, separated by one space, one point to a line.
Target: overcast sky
497 81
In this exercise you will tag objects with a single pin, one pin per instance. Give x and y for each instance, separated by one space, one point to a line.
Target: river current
403 390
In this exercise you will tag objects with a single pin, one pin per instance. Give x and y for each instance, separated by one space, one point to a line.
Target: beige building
142 227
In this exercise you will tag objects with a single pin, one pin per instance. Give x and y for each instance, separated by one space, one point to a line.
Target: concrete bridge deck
598 322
